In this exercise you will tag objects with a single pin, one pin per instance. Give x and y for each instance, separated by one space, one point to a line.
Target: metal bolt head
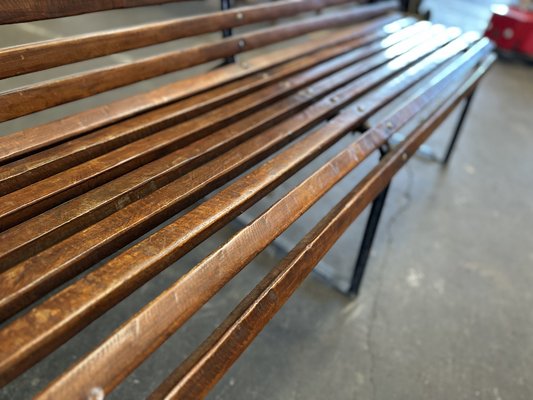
242 43
390 125
360 108
239 15
404 156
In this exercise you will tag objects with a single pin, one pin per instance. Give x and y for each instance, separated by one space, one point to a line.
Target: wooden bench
178 162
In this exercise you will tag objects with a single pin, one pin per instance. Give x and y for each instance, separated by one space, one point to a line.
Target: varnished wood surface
55 189
30 140
128 346
17 283
33 10
79 303
33 168
43 95
18 60
206 365
76 190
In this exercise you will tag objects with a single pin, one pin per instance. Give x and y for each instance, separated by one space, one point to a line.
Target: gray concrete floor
445 308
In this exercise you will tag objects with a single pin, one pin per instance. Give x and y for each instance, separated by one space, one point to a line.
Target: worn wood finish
33 335
27 280
29 238
205 366
128 346
33 10
36 97
17 144
18 60
76 190
36 167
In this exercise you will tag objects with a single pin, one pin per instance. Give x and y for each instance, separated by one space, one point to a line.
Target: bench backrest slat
43 95
31 57
14 11
32 139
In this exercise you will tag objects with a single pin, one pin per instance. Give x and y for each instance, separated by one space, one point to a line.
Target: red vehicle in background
511 29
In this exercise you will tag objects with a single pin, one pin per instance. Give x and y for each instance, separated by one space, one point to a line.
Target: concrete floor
445 308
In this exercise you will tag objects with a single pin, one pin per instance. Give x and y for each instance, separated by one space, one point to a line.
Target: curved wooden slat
31 57
142 334
30 337
14 11
36 97
36 167
206 365
23 142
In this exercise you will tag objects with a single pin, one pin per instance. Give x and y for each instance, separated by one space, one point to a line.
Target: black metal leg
366 243
457 129
226 5
368 238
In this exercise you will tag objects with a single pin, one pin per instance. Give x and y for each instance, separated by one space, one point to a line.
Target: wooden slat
18 60
28 280
60 187
49 162
17 144
207 364
136 339
36 97
14 11
35 334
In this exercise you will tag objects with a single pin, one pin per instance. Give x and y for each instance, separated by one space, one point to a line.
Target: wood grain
29 238
206 365
38 332
31 57
23 172
136 339
43 95
27 280
14 11
30 140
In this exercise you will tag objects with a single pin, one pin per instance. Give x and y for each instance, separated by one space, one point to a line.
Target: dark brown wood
33 10
199 373
30 140
136 339
29 238
18 60
38 332
36 167
23 283
36 97
207 364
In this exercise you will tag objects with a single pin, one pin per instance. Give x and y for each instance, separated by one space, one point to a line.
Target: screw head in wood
239 15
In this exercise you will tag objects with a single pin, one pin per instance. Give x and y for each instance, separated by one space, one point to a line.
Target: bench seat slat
43 95
136 339
206 365
46 163
35 334
29 140
174 163
15 243
18 60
